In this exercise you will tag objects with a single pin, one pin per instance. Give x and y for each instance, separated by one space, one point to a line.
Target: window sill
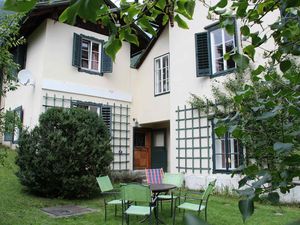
222 171
164 93
223 73
90 71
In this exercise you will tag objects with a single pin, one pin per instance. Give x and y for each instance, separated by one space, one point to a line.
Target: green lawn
20 208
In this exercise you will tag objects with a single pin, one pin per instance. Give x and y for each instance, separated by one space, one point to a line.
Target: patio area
19 207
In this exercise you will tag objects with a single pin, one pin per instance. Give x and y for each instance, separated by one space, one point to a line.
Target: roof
53 8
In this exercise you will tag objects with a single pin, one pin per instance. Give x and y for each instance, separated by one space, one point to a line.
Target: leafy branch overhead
120 21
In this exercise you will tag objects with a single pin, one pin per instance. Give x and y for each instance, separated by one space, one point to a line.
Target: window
221 43
211 46
102 110
17 121
227 153
161 75
89 55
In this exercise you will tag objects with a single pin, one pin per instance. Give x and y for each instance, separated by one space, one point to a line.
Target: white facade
132 93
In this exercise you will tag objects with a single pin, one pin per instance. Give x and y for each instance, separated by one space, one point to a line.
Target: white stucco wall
148 108
29 97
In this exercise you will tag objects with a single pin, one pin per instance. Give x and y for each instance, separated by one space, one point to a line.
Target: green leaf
145 24
242 7
222 3
161 4
267 115
241 61
273 197
19 6
250 51
181 23
285 65
86 9
258 70
283 147
165 19
246 208
221 130
245 30
112 46
292 3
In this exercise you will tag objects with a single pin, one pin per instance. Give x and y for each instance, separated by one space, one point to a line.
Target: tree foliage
9 39
263 113
64 154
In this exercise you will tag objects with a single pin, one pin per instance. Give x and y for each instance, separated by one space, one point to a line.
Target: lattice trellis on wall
193 140
120 129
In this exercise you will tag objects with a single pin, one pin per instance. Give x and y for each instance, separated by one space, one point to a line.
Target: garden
19 207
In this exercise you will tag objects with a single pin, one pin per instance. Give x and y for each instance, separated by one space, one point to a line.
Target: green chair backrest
174 179
136 193
209 190
104 183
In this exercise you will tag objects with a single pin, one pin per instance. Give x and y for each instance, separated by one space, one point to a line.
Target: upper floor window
211 47
161 75
89 55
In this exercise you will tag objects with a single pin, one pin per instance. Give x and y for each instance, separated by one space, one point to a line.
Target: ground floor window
13 125
102 110
227 153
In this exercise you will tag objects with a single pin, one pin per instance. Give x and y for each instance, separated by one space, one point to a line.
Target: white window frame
159 82
212 50
90 51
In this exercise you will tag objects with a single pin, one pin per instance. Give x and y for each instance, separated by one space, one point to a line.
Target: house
143 96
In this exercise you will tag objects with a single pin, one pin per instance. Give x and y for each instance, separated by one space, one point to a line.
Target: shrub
63 154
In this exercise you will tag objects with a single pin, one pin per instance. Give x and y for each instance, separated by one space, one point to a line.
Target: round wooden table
159 188
156 190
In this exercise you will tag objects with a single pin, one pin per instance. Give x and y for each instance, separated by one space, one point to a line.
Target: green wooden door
159 156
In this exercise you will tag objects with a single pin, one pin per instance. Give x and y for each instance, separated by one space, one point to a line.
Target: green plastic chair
137 193
193 206
174 179
107 188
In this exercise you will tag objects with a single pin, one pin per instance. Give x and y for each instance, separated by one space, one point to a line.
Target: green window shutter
202 54
106 62
106 115
76 50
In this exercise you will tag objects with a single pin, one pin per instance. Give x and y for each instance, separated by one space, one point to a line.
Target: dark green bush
63 154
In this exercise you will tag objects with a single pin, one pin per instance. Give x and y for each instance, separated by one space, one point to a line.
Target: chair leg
115 210
206 214
105 212
174 215
171 207
161 206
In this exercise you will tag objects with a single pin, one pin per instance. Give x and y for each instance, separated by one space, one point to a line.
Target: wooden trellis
193 140
119 127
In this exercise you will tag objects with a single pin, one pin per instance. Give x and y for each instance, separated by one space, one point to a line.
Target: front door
159 150
141 149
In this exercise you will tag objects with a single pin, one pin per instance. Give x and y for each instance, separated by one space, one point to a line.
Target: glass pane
95 47
85 54
165 61
157 64
85 45
95 65
220 152
216 37
229 46
219 51
159 139
227 37
220 159
85 63
93 109
95 56
230 63
219 65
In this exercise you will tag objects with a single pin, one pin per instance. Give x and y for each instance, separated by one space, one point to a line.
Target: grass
17 207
